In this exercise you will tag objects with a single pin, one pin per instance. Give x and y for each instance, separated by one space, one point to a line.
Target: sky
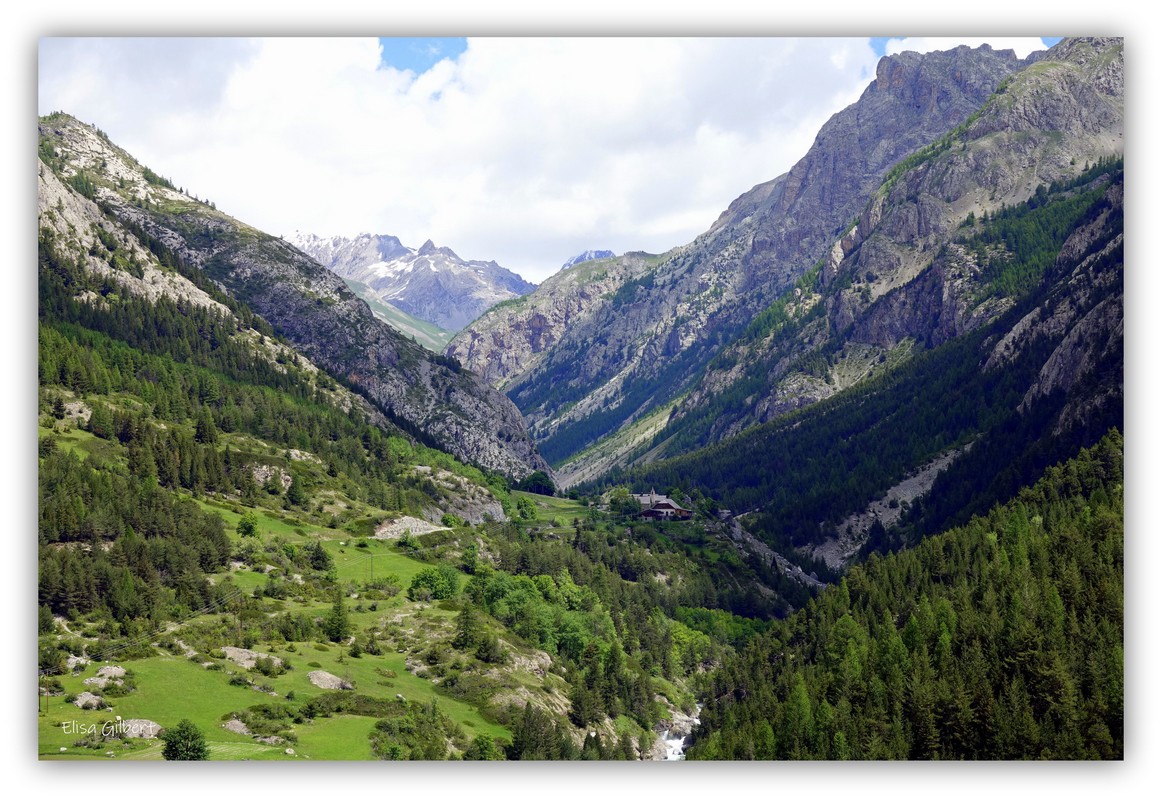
523 150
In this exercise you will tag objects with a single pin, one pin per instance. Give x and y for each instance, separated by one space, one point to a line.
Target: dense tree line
999 640
122 545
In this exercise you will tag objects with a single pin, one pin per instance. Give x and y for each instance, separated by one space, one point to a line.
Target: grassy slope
430 336
171 688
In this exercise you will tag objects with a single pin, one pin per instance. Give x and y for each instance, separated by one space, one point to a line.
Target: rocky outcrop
1096 336
88 700
248 658
431 283
325 680
460 496
936 306
511 340
1085 317
426 395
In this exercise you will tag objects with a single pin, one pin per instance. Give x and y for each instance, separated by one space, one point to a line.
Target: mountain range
815 281
432 283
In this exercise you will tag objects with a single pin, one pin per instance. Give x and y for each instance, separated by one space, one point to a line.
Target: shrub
269 667
434 583
248 524
490 651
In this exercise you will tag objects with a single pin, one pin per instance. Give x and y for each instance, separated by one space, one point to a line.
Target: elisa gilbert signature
119 728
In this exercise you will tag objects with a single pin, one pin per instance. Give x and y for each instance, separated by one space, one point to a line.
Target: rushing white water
675 746
675 738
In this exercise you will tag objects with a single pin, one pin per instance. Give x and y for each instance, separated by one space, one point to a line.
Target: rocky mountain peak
615 354
924 80
432 283
588 255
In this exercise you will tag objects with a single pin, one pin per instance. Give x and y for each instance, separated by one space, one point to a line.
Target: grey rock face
509 341
898 278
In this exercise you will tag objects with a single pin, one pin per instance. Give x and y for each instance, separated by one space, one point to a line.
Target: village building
659 506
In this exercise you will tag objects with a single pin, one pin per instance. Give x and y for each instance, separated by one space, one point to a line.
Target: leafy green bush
434 583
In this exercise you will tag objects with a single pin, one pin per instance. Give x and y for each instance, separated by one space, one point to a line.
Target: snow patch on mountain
588 255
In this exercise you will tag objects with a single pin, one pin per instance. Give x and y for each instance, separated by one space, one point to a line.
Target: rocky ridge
900 276
76 224
639 346
429 397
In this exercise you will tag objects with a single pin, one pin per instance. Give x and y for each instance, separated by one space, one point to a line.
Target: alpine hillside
597 357
915 269
840 479
311 307
961 336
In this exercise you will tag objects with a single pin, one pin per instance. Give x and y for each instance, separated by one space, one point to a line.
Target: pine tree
295 495
337 626
467 628
184 742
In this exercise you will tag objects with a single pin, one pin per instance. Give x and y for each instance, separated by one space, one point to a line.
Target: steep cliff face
515 337
914 99
308 305
640 346
917 268
431 283
1085 316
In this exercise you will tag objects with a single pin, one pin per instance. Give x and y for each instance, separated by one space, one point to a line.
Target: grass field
79 442
557 511
171 688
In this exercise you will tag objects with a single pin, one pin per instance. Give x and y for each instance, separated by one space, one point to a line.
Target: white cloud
1021 45
521 150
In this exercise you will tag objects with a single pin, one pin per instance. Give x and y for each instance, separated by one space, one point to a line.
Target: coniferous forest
1001 639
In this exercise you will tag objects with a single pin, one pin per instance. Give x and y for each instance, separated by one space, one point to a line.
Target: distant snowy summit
588 255
431 283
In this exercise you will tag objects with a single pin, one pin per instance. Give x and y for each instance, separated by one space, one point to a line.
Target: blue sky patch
419 54
879 44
